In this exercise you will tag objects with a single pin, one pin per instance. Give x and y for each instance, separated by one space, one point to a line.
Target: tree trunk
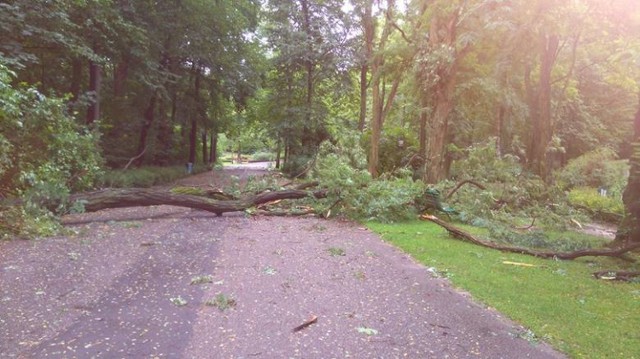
193 135
629 230
377 93
213 156
368 30
278 150
120 74
442 33
149 115
137 197
95 79
541 126
205 152
164 136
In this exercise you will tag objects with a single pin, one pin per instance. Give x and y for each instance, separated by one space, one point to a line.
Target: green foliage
558 301
608 208
544 240
354 193
45 156
263 156
597 168
510 194
145 176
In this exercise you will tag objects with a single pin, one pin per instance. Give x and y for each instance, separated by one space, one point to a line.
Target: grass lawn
559 301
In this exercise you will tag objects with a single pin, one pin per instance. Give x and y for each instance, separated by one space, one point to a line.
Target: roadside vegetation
557 301
511 119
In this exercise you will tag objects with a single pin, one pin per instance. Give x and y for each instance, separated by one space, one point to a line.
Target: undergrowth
353 192
145 176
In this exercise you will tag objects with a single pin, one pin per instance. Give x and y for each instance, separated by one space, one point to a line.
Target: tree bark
95 80
120 74
541 126
377 93
442 33
213 157
205 153
193 135
149 114
368 30
629 230
136 197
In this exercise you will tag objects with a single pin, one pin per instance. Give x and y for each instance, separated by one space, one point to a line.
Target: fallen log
135 197
458 233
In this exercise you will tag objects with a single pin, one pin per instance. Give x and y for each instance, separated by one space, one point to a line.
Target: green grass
559 301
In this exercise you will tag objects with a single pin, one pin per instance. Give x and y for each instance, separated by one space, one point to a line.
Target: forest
495 143
535 101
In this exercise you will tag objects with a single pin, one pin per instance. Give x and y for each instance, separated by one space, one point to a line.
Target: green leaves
45 154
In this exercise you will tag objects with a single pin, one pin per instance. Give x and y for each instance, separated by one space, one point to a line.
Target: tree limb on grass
458 233
616 275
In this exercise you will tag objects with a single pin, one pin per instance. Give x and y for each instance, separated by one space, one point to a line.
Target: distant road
251 165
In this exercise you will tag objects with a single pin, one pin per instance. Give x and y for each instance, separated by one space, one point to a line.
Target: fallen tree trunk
458 233
135 197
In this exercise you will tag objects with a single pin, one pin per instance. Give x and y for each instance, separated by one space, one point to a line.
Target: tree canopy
417 82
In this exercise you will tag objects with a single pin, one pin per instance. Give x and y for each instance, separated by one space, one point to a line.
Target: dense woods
94 84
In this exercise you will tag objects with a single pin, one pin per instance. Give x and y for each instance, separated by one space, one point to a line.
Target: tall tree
629 230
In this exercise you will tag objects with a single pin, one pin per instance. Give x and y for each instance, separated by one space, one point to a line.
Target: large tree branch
134 197
458 233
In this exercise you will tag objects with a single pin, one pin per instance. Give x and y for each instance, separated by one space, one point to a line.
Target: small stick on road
313 319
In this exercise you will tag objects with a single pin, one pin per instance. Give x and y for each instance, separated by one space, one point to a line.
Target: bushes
354 192
597 168
44 155
610 209
511 194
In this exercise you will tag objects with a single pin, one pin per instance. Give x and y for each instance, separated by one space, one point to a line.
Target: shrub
608 208
263 156
44 156
597 168
511 193
342 168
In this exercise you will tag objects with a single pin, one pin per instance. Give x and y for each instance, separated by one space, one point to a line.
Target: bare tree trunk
442 33
193 135
137 197
278 150
149 115
629 230
205 152
541 126
213 156
368 30
95 80
120 74
377 93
